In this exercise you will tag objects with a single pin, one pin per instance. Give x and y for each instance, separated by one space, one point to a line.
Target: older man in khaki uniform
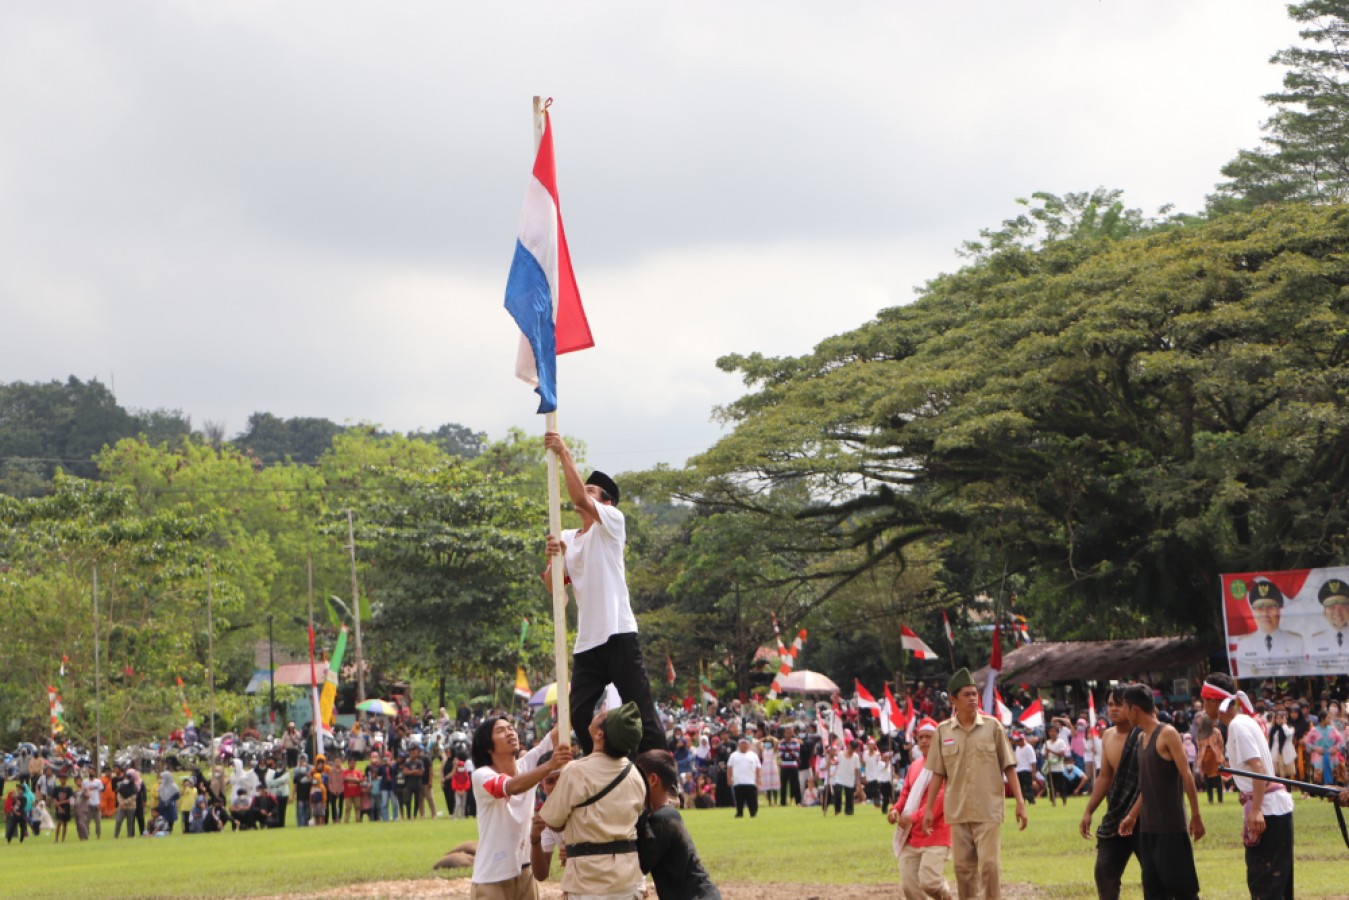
971 756
595 805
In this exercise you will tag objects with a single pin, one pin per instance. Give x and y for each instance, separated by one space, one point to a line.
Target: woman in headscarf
278 782
242 780
218 787
139 815
196 818
1283 746
702 757
167 805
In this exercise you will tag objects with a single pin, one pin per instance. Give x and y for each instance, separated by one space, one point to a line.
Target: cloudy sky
309 208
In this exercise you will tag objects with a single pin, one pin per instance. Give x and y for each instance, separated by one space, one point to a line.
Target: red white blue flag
541 292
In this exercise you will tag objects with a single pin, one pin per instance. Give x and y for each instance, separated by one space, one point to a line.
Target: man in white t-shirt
91 795
606 650
503 787
1024 754
744 768
1268 806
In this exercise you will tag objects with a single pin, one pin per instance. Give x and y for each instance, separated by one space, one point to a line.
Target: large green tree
1305 155
1114 422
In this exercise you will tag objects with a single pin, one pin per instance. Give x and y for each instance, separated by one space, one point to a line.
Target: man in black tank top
1164 848
1117 785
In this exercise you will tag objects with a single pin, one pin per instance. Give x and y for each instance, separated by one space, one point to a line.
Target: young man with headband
1267 829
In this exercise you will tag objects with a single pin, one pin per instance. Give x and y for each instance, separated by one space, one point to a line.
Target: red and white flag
892 717
669 670
946 624
910 641
910 720
1004 713
1091 711
1034 715
864 698
994 667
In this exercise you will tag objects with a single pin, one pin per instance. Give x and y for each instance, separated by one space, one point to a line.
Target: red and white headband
1211 691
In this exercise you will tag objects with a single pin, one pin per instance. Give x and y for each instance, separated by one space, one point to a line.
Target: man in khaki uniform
595 805
972 757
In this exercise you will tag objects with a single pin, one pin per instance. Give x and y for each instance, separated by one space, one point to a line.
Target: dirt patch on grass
459 887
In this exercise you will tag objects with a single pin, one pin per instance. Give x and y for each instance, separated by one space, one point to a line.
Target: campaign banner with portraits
1287 623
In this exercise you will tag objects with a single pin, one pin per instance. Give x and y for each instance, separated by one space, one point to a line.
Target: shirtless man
1116 782
1164 849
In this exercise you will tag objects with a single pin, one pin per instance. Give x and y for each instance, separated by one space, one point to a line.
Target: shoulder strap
608 787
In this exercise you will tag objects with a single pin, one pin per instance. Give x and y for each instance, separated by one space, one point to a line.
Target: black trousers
791 785
843 796
1269 864
1027 779
618 661
1112 858
1167 861
746 795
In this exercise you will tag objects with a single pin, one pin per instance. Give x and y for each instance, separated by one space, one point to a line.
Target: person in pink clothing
922 855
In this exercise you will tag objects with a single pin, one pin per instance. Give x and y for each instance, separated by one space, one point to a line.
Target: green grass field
781 845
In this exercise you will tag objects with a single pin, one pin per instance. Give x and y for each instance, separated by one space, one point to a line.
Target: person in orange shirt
107 801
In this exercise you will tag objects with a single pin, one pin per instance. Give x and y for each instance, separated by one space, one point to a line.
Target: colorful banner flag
522 684
524 632
787 661
541 292
182 697
314 704
57 710
709 696
1091 711
328 696
910 641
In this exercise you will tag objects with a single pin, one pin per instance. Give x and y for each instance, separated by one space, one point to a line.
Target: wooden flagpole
555 529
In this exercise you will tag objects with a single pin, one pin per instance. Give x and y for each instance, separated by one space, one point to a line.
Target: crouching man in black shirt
664 847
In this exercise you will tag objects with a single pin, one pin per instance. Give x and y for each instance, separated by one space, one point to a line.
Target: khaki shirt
614 818
973 760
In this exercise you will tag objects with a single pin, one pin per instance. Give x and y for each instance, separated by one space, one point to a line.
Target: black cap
1265 591
1335 589
604 483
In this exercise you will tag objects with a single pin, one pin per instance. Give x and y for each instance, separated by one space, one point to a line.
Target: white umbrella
804 681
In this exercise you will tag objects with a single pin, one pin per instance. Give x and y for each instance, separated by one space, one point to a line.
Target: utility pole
271 679
356 614
315 726
210 648
98 686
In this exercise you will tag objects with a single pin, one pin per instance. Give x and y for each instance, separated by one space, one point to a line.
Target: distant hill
62 425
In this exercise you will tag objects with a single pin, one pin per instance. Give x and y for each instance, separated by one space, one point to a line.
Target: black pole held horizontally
1325 792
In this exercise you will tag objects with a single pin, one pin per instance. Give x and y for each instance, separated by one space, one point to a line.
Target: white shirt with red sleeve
503 820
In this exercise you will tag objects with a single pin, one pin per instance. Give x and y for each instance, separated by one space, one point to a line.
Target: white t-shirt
92 789
503 820
1244 743
1025 758
1056 750
875 766
846 773
743 767
594 560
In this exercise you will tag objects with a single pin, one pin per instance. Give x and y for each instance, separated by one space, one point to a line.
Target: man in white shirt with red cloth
922 855
606 650
1267 828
